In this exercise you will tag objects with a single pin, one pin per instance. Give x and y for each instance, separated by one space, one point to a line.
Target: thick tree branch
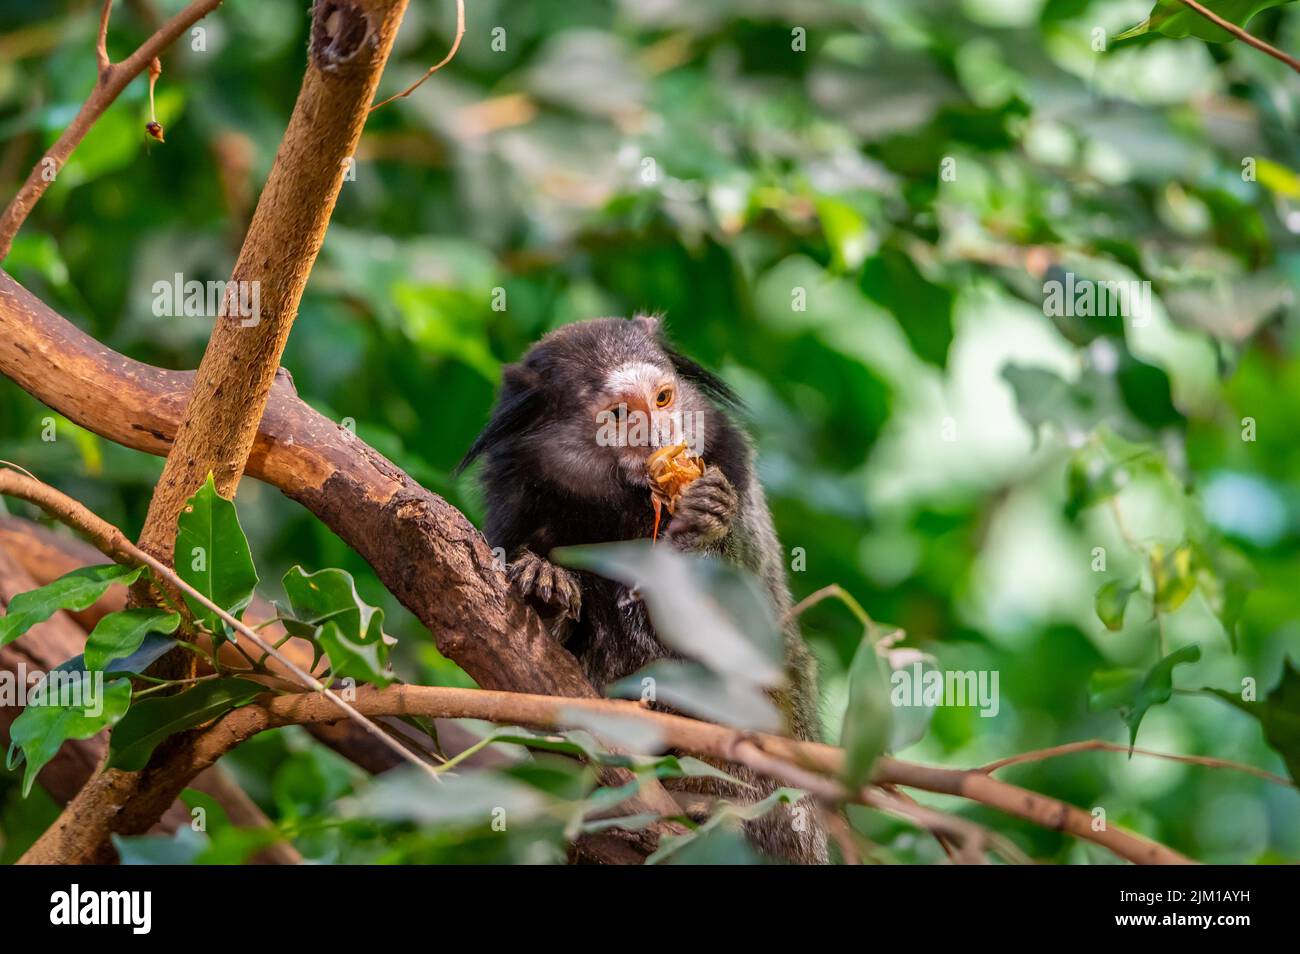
349 46
701 738
112 79
422 548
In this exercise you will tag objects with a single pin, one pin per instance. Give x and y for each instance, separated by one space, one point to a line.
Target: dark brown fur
548 483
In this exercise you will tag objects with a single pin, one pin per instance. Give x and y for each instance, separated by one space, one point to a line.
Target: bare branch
101 45
113 78
810 764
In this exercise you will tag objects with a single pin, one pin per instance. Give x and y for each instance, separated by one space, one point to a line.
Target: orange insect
672 470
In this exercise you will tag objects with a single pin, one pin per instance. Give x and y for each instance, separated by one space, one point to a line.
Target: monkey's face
616 419
585 408
641 407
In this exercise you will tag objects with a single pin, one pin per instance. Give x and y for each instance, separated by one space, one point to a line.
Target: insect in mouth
672 469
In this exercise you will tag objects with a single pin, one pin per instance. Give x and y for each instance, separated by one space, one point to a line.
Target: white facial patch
633 376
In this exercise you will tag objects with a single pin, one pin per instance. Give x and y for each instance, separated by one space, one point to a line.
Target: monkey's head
589 403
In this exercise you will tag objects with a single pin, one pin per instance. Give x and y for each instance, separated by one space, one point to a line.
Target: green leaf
327 596
1133 692
865 731
1044 397
1225 578
408 794
1173 574
727 815
922 308
349 658
326 608
44 725
1147 392
1279 716
695 690
1174 18
154 719
1111 601
120 634
212 555
686 766
846 231
705 609
72 591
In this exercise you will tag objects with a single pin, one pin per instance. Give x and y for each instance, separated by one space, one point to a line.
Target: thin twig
108 86
460 34
825 593
1242 35
1098 745
101 45
114 544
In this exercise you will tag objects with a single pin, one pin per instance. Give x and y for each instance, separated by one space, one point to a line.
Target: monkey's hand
554 590
703 513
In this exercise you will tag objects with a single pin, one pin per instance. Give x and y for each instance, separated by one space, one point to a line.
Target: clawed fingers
540 580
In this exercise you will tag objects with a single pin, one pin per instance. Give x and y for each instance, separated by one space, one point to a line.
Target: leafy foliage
857 234
69 703
152 720
72 591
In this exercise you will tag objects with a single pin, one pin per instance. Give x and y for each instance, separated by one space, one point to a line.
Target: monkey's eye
664 397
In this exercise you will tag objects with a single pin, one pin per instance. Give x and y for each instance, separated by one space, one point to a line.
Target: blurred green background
848 209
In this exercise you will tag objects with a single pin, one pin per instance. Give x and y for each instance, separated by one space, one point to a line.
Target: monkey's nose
635 401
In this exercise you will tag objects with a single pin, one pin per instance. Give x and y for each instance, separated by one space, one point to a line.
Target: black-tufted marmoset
549 480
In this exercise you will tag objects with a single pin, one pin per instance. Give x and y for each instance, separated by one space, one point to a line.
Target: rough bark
350 43
422 548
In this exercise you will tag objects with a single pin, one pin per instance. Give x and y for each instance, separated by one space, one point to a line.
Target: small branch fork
112 79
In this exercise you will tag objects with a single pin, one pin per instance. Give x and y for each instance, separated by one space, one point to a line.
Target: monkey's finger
524 571
544 582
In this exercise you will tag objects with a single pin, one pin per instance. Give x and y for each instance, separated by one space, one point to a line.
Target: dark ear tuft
652 324
520 404
713 386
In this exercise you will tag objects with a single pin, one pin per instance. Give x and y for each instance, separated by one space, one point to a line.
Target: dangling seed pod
153 127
